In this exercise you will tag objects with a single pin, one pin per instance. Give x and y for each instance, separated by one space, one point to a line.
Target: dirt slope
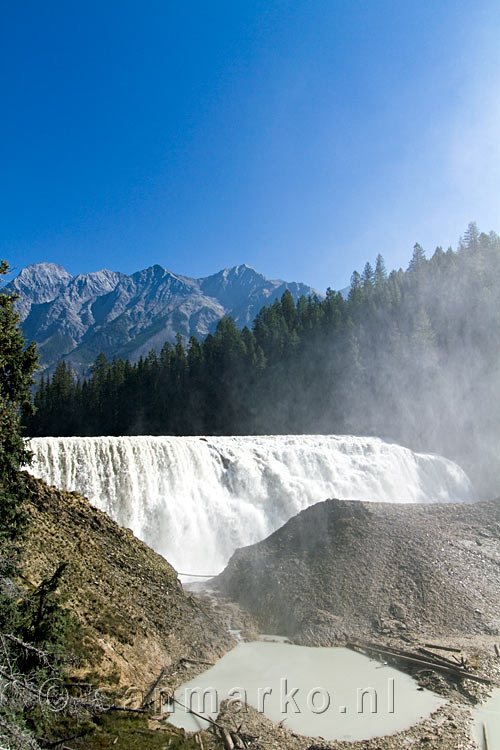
137 618
341 569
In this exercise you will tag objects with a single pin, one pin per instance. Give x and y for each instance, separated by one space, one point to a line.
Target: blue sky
300 137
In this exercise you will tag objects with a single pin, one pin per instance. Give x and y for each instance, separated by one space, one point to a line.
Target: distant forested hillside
412 356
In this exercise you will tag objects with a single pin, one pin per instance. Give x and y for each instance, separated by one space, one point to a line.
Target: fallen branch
172 699
485 738
230 740
28 742
412 658
239 743
443 648
146 699
196 661
443 659
28 647
49 699
123 708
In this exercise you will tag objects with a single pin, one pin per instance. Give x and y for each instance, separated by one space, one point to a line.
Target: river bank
138 621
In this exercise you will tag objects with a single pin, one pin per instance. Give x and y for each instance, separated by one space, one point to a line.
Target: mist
410 356
196 500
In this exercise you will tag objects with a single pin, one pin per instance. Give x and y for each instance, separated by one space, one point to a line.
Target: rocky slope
345 569
136 617
78 317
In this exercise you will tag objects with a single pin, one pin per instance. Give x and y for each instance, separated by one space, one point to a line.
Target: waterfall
196 499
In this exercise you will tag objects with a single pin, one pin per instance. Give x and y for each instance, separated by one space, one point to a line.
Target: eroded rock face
345 569
136 617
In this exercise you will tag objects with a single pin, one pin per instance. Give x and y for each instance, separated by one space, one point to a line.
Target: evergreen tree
21 615
17 365
470 239
62 391
400 349
288 309
368 276
418 258
355 291
380 271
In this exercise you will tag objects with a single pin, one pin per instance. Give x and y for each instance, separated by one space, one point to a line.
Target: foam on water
196 499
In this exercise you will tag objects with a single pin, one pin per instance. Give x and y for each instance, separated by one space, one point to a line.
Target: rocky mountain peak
76 317
38 283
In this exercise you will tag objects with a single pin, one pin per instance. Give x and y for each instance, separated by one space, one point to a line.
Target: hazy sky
300 137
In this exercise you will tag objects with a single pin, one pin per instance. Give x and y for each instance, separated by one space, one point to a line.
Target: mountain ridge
77 317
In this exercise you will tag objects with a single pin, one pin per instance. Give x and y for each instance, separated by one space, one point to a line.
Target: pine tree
35 616
368 276
418 258
356 286
195 407
62 399
380 270
470 239
17 365
288 309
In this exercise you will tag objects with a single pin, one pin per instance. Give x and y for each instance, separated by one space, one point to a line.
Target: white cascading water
196 499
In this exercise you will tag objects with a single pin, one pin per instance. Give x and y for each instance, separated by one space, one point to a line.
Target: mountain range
77 317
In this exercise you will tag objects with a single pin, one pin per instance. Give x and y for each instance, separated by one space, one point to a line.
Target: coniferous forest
412 356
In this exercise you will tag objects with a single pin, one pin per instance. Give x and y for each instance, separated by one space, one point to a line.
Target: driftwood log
443 659
231 740
188 660
485 738
412 658
443 648
147 698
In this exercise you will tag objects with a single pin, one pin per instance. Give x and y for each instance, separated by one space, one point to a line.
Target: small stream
334 693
